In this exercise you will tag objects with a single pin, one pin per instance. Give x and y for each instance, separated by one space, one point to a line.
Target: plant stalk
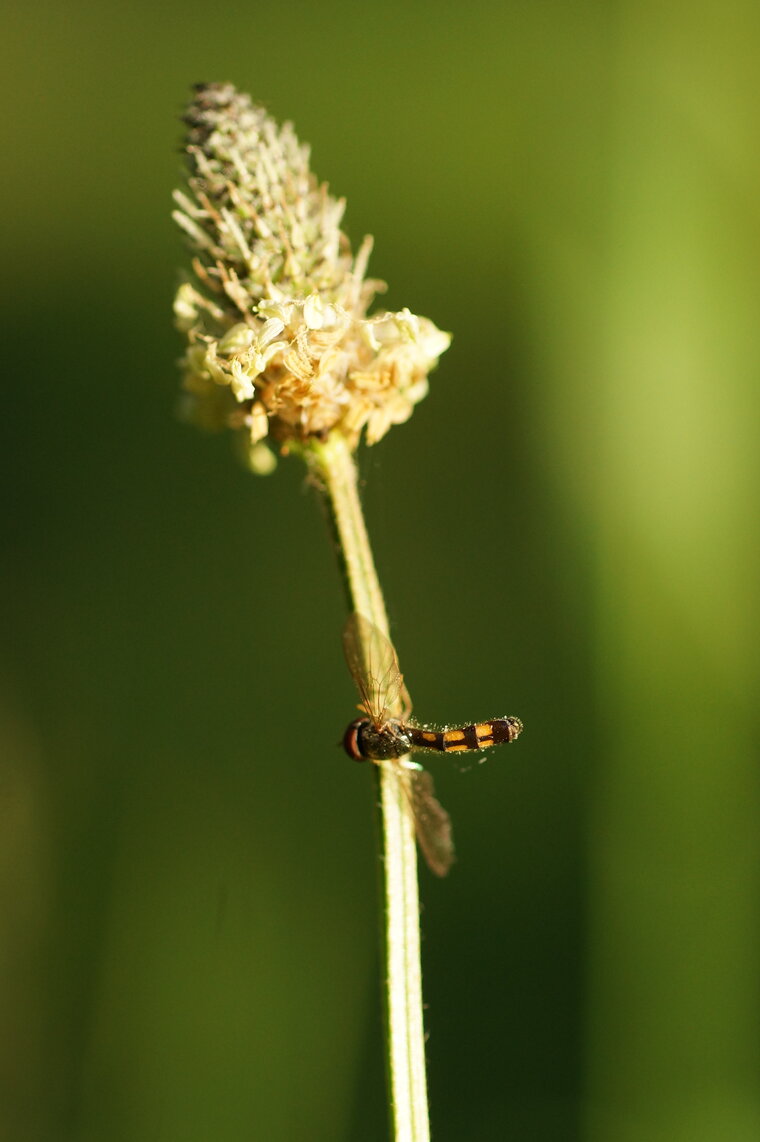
333 465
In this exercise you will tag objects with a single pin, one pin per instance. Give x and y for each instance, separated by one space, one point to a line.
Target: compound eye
352 742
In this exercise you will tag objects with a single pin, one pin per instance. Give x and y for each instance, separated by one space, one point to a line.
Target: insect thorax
392 740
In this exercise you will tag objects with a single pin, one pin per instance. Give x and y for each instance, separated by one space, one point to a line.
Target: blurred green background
567 530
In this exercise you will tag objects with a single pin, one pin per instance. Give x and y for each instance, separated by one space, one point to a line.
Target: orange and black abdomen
480 735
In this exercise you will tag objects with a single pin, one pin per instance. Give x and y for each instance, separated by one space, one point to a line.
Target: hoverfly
381 736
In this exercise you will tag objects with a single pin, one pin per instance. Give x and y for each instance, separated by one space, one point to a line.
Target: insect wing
374 668
432 822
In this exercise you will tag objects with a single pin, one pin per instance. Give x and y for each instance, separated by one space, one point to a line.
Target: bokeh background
567 529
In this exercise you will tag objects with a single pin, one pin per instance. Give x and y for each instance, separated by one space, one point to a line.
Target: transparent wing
431 821
375 670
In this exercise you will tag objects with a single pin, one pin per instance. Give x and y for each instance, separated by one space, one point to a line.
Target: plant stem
333 465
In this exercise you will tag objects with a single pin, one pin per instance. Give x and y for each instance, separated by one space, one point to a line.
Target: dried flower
279 342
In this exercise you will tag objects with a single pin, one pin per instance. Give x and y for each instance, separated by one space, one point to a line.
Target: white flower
279 341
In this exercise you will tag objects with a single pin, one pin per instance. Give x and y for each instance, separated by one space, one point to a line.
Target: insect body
386 734
364 739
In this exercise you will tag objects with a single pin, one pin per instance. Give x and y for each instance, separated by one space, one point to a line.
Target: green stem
333 465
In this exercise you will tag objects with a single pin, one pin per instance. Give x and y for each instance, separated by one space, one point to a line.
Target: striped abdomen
480 735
